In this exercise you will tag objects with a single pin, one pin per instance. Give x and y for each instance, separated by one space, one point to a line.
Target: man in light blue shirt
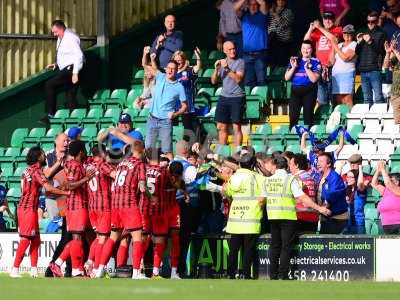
162 111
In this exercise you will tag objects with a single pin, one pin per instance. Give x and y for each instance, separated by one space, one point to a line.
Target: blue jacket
356 208
334 193
172 43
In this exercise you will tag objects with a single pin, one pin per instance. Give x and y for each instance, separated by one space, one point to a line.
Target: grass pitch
99 289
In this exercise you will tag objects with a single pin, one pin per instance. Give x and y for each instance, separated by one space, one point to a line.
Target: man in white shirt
69 61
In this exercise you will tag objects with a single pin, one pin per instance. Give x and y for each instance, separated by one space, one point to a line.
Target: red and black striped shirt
32 181
99 187
157 182
75 171
125 188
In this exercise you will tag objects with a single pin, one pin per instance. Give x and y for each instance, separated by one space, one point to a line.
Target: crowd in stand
285 194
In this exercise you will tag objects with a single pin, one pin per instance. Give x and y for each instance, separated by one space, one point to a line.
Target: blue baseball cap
125 118
73 132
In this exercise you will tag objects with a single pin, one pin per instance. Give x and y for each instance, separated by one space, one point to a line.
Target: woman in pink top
389 206
339 7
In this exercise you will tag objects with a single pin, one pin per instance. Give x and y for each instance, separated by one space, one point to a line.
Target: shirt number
120 178
151 185
93 184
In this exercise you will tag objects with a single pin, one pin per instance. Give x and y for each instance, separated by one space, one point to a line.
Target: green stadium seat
18 136
295 148
133 112
177 132
89 134
47 146
207 91
102 94
34 137
76 117
322 113
13 194
319 130
209 126
276 90
205 79
260 148
247 90
10 154
355 130
93 117
264 129
277 74
138 77
344 110
59 118
140 124
218 91
7 170
288 89
261 91
252 108
14 181
2 151
117 98
216 54
223 150
51 134
132 95
22 156
144 112
203 55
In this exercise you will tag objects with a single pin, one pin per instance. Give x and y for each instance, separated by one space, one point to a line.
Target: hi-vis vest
245 187
281 204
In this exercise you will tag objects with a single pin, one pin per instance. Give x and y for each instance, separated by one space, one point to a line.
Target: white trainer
34 272
175 276
137 275
15 273
100 272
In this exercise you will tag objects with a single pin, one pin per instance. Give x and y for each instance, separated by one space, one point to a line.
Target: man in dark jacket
168 42
370 49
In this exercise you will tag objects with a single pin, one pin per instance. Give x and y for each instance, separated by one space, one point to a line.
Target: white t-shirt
342 66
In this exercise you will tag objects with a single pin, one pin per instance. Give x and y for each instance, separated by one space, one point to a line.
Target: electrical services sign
315 258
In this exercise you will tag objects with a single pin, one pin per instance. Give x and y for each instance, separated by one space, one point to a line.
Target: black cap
329 15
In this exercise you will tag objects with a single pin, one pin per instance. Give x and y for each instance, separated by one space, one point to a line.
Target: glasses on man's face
372 21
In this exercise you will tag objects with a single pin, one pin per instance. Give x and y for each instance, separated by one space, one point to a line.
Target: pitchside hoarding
315 258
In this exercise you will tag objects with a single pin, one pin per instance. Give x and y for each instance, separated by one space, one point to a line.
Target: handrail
40 36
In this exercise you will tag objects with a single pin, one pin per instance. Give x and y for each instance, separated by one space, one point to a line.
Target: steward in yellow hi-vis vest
245 189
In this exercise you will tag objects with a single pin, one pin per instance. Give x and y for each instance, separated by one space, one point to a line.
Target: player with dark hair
77 213
32 181
161 184
99 196
129 183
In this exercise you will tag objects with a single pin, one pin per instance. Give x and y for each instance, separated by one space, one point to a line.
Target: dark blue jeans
372 81
255 64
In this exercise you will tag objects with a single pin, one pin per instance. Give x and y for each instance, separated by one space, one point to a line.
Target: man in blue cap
74 133
123 134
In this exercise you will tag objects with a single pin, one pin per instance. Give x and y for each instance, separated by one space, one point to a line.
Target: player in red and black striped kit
99 195
129 184
77 214
155 207
32 181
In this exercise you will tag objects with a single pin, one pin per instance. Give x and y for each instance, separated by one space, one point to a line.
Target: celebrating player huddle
132 199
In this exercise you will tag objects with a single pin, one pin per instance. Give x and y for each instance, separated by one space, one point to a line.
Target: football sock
158 254
137 253
97 257
77 254
92 251
175 250
107 252
34 251
19 256
122 255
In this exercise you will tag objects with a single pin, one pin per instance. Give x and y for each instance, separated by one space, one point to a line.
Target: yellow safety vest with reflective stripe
281 204
245 187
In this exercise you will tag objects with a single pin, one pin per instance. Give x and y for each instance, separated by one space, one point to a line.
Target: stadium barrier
317 258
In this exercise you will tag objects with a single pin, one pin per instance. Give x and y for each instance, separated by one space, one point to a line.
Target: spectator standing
332 194
388 16
280 32
4 207
356 196
232 101
392 60
121 135
187 76
343 59
307 218
303 72
168 42
230 26
255 40
323 50
69 62
339 7
389 206
370 49
162 111
144 100
282 191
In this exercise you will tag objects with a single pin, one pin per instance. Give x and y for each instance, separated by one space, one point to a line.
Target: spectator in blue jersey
187 76
255 39
74 133
332 194
168 42
4 207
304 73
162 111
120 135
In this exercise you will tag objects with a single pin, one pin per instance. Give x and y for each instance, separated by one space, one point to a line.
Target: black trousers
62 80
190 220
332 226
192 127
247 243
283 238
66 237
391 229
302 97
